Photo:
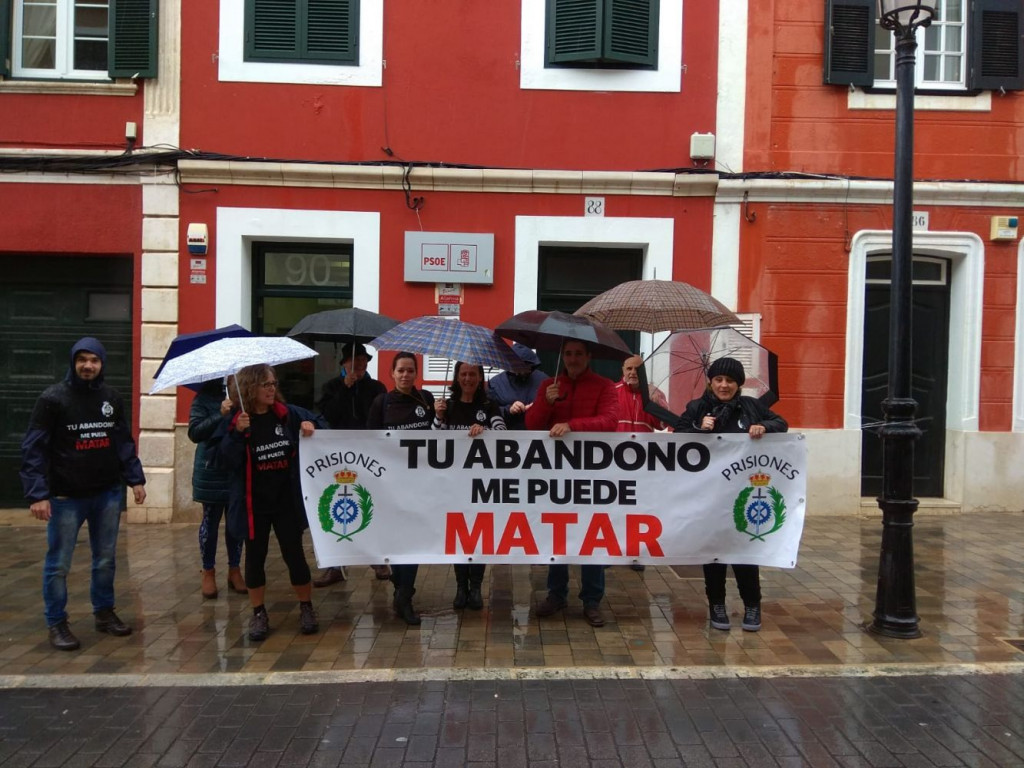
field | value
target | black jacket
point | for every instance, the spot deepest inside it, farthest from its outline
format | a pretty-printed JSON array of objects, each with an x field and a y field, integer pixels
[
  {"x": 349, "y": 407},
  {"x": 78, "y": 443},
  {"x": 233, "y": 453},
  {"x": 393, "y": 410},
  {"x": 736, "y": 415},
  {"x": 210, "y": 482}
]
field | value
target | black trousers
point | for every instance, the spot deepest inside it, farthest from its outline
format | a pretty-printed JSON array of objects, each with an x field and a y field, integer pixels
[
  {"x": 748, "y": 581},
  {"x": 288, "y": 531},
  {"x": 470, "y": 573},
  {"x": 404, "y": 576}
]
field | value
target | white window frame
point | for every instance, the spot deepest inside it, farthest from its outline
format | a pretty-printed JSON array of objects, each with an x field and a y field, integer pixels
[
  {"x": 922, "y": 54},
  {"x": 654, "y": 236},
  {"x": 65, "y": 45},
  {"x": 237, "y": 228},
  {"x": 232, "y": 66},
  {"x": 667, "y": 78}
]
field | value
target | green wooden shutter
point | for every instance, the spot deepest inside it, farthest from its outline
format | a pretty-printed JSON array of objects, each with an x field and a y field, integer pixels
[
  {"x": 996, "y": 46},
  {"x": 6, "y": 9},
  {"x": 271, "y": 29},
  {"x": 332, "y": 30},
  {"x": 631, "y": 32},
  {"x": 315, "y": 31},
  {"x": 132, "y": 50},
  {"x": 850, "y": 42},
  {"x": 573, "y": 31}
]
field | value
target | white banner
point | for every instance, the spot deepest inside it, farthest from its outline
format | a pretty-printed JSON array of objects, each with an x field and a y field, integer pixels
[{"x": 523, "y": 497}]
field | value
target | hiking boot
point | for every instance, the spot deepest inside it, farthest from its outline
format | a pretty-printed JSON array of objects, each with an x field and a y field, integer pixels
[
  {"x": 592, "y": 613},
  {"x": 107, "y": 621},
  {"x": 719, "y": 616},
  {"x": 259, "y": 625},
  {"x": 474, "y": 600},
  {"x": 752, "y": 618},
  {"x": 236, "y": 582},
  {"x": 403, "y": 606},
  {"x": 330, "y": 576},
  {"x": 307, "y": 619},
  {"x": 461, "y": 595},
  {"x": 549, "y": 606},
  {"x": 208, "y": 585},
  {"x": 61, "y": 637}
]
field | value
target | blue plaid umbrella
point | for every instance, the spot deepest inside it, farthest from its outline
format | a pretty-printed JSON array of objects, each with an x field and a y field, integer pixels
[{"x": 451, "y": 338}]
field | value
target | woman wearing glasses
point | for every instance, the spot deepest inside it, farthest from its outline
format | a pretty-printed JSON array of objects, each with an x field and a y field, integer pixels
[{"x": 259, "y": 446}]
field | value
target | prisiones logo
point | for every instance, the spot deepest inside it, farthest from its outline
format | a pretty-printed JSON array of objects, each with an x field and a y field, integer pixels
[
  {"x": 759, "y": 510},
  {"x": 345, "y": 512}
]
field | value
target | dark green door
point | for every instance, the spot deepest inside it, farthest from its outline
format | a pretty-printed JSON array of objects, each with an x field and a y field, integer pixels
[
  {"x": 929, "y": 365},
  {"x": 571, "y": 276},
  {"x": 47, "y": 303}
]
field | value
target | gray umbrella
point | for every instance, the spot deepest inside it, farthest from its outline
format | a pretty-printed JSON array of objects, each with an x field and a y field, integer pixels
[{"x": 342, "y": 325}]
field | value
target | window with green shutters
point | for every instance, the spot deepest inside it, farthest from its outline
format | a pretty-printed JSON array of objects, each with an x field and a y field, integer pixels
[
  {"x": 621, "y": 34},
  {"x": 971, "y": 45},
  {"x": 78, "y": 39},
  {"x": 306, "y": 31}
]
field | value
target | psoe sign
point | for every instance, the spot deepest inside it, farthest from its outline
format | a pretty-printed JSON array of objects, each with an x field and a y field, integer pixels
[{"x": 449, "y": 257}]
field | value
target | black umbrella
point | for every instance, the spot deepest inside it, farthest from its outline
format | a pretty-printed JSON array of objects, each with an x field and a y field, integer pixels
[
  {"x": 342, "y": 325},
  {"x": 548, "y": 330}
]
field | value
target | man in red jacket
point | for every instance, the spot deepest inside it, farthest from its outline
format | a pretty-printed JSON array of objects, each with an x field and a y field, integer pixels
[
  {"x": 577, "y": 400},
  {"x": 632, "y": 416}
]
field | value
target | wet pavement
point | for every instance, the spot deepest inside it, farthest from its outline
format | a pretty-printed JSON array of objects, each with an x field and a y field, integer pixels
[{"x": 500, "y": 687}]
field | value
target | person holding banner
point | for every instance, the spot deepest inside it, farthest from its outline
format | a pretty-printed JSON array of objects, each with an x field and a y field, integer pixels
[
  {"x": 404, "y": 407},
  {"x": 259, "y": 445},
  {"x": 723, "y": 409},
  {"x": 344, "y": 403},
  {"x": 468, "y": 409},
  {"x": 578, "y": 400}
]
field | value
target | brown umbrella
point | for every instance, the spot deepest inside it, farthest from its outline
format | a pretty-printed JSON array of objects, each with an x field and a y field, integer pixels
[{"x": 657, "y": 305}]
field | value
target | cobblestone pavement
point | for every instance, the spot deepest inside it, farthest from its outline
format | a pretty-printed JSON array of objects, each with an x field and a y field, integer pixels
[
  {"x": 500, "y": 687},
  {"x": 604, "y": 723}
]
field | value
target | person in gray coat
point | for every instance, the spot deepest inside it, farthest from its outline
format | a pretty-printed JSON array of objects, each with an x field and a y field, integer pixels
[{"x": 210, "y": 486}]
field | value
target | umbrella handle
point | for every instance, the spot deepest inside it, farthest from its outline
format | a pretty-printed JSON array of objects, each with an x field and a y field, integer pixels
[{"x": 238, "y": 389}]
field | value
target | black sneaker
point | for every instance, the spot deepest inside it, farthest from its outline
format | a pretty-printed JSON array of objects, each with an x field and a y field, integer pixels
[
  {"x": 259, "y": 626},
  {"x": 307, "y": 619},
  {"x": 719, "y": 616},
  {"x": 107, "y": 621},
  {"x": 752, "y": 618},
  {"x": 62, "y": 638}
]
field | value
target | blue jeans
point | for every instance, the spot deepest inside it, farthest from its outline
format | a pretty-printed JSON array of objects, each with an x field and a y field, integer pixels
[
  {"x": 103, "y": 513},
  {"x": 591, "y": 583},
  {"x": 212, "y": 513}
]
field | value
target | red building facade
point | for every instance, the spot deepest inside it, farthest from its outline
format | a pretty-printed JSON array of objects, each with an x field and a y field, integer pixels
[{"x": 307, "y": 162}]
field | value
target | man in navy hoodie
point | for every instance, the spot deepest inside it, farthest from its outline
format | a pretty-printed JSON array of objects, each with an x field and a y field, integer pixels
[{"x": 76, "y": 457}]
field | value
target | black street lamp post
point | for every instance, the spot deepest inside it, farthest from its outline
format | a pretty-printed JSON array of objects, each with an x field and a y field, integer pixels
[{"x": 895, "y": 612}]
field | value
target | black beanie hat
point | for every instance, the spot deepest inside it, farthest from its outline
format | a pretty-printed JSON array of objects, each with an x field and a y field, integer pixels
[{"x": 728, "y": 366}]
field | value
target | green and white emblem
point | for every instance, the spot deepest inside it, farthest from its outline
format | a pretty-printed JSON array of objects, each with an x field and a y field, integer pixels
[
  {"x": 345, "y": 512},
  {"x": 759, "y": 510}
]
